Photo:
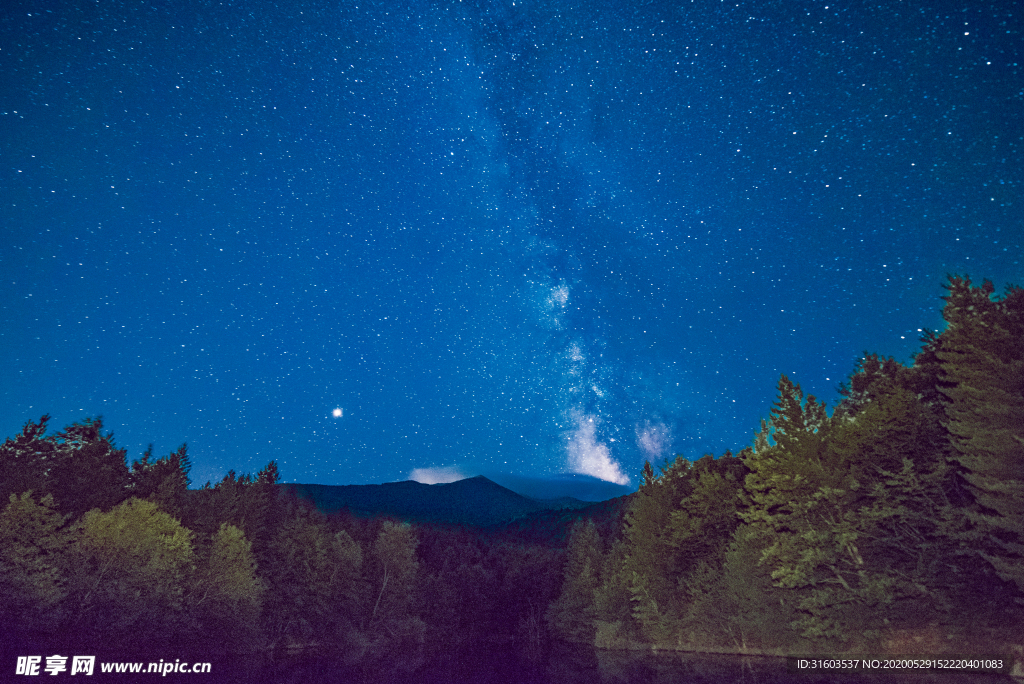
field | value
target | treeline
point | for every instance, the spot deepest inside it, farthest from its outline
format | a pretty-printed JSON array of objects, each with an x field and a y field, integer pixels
[
  {"x": 97, "y": 554},
  {"x": 897, "y": 516}
]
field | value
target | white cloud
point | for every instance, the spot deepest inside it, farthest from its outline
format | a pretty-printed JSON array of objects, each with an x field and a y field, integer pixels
[
  {"x": 587, "y": 455},
  {"x": 436, "y": 475}
]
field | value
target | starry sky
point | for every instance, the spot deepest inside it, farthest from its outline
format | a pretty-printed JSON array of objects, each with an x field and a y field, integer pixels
[{"x": 529, "y": 237}]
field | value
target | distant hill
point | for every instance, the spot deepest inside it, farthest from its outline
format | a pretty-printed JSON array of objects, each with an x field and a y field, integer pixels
[
  {"x": 475, "y": 501},
  {"x": 551, "y": 527},
  {"x": 575, "y": 485}
]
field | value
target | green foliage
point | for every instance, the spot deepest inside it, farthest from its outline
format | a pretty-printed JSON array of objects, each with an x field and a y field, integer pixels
[
  {"x": 613, "y": 608},
  {"x": 393, "y": 558},
  {"x": 131, "y": 573},
  {"x": 571, "y": 615},
  {"x": 527, "y": 581},
  {"x": 395, "y": 631},
  {"x": 25, "y": 458},
  {"x": 32, "y": 549},
  {"x": 164, "y": 481},
  {"x": 738, "y": 604},
  {"x": 677, "y": 529},
  {"x": 252, "y": 504},
  {"x": 89, "y": 471},
  {"x": 851, "y": 510},
  {"x": 476, "y": 592},
  {"x": 457, "y": 592},
  {"x": 649, "y": 566},
  {"x": 315, "y": 588},
  {"x": 702, "y": 523},
  {"x": 982, "y": 365},
  {"x": 80, "y": 467},
  {"x": 228, "y": 593}
]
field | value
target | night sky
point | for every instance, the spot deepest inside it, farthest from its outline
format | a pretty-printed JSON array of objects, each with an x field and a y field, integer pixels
[{"x": 530, "y": 237}]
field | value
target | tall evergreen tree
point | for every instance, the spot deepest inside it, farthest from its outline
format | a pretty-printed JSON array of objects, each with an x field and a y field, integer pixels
[
  {"x": 738, "y": 604},
  {"x": 571, "y": 615},
  {"x": 89, "y": 471},
  {"x": 702, "y": 523},
  {"x": 80, "y": 466},
  {"x": 650, "y": 565},
  {"x": 795, "y": 484},
  {"x": 613, "y": 607},
  {"x": 982, "y": 361},
  {"x": 164, "y": 480},
  {"x": 25, "y": 459}
]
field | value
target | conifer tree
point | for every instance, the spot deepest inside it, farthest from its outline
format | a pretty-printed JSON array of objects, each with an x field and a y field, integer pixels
[
  {"x": 25, "y": 459},
  {"x": 164, "y": 480},
  {"x": 649, "y": 566},
  {"x": 613, "y": 609},
  {"x": 794, "y": 484},
  {"x": 571, "y": 615},
  {"x": 982, "y": 361},
  {"x": 702, "y": 523},
  {"x": 738, "y": 604},
  {"x": 89, "y": 471},
  {"x": 81, "y": 467}
]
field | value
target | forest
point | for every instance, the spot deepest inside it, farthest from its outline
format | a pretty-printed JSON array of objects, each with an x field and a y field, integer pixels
[{"x": 893, "y": 521}]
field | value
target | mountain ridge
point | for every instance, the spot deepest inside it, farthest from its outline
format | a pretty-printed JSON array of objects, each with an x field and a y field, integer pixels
[{"x": 477, "y": 501}]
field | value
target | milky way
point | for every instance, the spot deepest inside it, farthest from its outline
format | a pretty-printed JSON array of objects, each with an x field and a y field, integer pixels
[{"x": 526, "y": 238}]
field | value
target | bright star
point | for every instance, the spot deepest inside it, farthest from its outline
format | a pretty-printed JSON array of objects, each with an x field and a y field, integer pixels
[{"x": 336, "y": 413}]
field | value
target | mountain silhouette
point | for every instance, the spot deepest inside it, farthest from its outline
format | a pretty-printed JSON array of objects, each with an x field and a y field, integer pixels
[
  {"x": 575, "y": 485},
  {"x": 473, "y": 501}
]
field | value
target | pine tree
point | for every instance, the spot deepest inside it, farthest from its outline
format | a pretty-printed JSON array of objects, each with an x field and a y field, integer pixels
[
  {"x": 571, "y": 615},
  {"x": 613, "y": 609},
  {"x": 982, "y": 357},
  {"x": 796, "y": 489},
  {"x": 81, "y": 467},
  {"x": 790, "y": 461},
  {"x": 650, "y": 565},
  {"x": 702, "y": 523},
  {"x": 315, "y": 591},
  {"x": 897, "y": 454},
  {"x": 738, "y": 604},
  {"x": 89, "y": 471},
  {"x": 526, "y": 579},
  {"x": 25, "y": 459},
  {"x": 164, "y": 480}
]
